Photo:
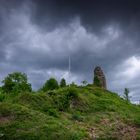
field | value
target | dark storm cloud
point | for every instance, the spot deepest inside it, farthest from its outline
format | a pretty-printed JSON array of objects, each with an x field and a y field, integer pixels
[
  {"x": 38, "y": 36},
  {"x": 93, "y": 13}
]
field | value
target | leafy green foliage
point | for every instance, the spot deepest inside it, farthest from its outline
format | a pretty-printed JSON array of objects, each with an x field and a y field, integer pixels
[
  {"x": 15, "y": 83},
  {"x": 63, "y": 83},
  {"x": 53, "y": 112},
  {"x": 126, "y": 95},
  {"x": 77, "y": 117},
  {"x": 97, "y": 81},
  {"x": 64, "y": 100},
  {"x": 50, "y": 84},
  {"x": 49, "y": 115},
  {"x": 2, "y": 97},
  {"x": 62, "y": 103},
  {"x": 72, "y": 93},
  {"x": 84, "y": 82},
  {"x": 73, "y": 84}
]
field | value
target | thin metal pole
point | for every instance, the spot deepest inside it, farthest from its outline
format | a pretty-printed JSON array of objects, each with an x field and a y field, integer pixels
[{"x": 69, "y": 70}]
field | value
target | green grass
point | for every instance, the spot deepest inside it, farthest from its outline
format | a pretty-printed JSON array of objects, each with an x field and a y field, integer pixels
[{"x": 75, "y": 113}]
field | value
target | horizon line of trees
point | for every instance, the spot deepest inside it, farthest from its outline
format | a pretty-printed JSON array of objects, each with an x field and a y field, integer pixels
[{"x": 17, "y": 82}]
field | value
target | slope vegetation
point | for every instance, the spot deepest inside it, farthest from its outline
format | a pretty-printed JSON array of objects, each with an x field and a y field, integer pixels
[{"x": 70, "y": 113}]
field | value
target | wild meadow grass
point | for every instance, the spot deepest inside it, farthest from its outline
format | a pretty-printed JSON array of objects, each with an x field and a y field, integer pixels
[{"x": 69, "y": 113}]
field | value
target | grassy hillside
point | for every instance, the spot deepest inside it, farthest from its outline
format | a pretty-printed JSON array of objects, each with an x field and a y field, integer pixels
[{"x": 75, "y": 113}]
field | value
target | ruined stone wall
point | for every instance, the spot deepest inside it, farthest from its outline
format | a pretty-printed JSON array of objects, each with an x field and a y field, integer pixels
[{"x": 99, "y": 78}]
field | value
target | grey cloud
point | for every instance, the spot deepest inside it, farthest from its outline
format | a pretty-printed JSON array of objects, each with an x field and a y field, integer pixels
[
  {"x": 37, "y": 38},
  {"x": 93, "y": 13}
]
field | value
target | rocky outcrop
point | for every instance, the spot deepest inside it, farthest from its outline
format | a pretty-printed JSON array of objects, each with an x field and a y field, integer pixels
[{"x": 99, "y": 78}]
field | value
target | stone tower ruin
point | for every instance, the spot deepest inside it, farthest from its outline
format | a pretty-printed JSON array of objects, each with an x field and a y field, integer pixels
[{"x": 99, "y": 78}]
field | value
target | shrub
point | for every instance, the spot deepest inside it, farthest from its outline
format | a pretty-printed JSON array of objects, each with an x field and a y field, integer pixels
[
  {"x": 97, "y": 81},
  {"x": 77, "y": 117},
  {"x": 53, "y": 112},
  {"x": 62, "y": 100},
  {"x": 2, "y": 97},
  {"x": 72, "y": 93},
  {"x": 63, "y": 103}
]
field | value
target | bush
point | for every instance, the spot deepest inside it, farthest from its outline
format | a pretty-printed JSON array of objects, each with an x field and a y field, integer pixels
[
  {"x": 72, "y": 93},
  {"x": 97, "y": 81},
  {"x": 50, "y": 84},
  {"x": 62, "y": 100},
  {"x": 63, "y": 103},
  {"x": 2, "y": 97},
  {"x": 77, "y": 117},
  {"x": 53, "y": 112}
]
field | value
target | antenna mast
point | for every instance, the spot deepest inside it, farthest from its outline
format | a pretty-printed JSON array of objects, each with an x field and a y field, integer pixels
[{"x": 69, "y": 70}]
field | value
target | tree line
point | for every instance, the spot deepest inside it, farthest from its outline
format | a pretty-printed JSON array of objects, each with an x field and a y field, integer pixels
[{"x": 17, "y": 82}]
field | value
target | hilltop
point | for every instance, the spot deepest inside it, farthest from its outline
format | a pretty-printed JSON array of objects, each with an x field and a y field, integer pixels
[{"x": 69, "y": 113}]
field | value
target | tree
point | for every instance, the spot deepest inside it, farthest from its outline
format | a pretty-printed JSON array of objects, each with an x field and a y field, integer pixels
[
  {"x": 97, "y": 81},
  {"x": 16, "y": 82},
  {"x": 126, "y": 94},
  {"x": 50, "y": 84},
  {"x": 63, "y": 83},
  {"x": 84, "y": 82},
  {"x": 73, "y": 84}
]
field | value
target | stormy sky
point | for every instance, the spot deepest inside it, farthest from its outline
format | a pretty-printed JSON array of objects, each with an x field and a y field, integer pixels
[{"x": 38, "y": 36}]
